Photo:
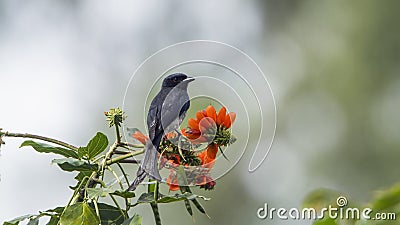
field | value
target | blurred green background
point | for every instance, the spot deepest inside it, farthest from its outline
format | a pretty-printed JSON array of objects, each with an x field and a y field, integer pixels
[{"x": 333, "y": 67}]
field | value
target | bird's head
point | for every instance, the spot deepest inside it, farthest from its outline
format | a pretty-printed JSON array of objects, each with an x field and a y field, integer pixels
[{"x": 176, "y": 79}]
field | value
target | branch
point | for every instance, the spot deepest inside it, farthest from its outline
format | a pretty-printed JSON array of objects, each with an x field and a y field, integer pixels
[
  {"x": 126, "y": 144},
  {"x": 122, "y": 157},
  {"x": 132, "y": 161},
  {"x": 33, "y": 136}
]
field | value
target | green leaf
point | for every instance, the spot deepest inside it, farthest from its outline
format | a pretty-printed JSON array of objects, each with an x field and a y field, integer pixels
[
  {"x": 79, "y": 214},
  {"x": 98, "y": 192},
  {"x": 33, "y": 221},
  {"x": 146, "y": 198},
  {"x": 45, "y": 148},
  {"x": 183, "y": 185},
  {"x": 109, "y": 214},
  {"x": 177, "y": 198},
  {"x": 135, "y": 220},
  {"x": 321, "y": 198},
  {"x": 149, "y": 198},
  {"x": 17, "y": 220},
  {"x": 188, "y": 207},
  {"x": 56, "y": 217},
  {"x": 83, "y": 174},
  {"x": 96, "y": 146},
  {"x": 124, "y": 193},
  {"x": 70, "y": 164},
  {"x": 326, "y": 221},
  {"x": 79, "y": 177},
  {"x": 388, "y": 199},
  {"x": 53, "y": 220}
]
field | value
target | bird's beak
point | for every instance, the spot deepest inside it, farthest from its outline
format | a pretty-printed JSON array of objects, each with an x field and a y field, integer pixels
[{"x": 189, "y": 79}]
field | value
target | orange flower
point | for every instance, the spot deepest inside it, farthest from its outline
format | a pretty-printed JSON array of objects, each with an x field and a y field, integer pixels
[
  {"x": 203, "y": 179},
  {"x": 208, "y": 156},
  {"x": 140, "y": 137},
  {"x": 172, "y": 181},
  {"x": 229, "y": 119},
  {"x": 221, "y": 116},
  {"x": 210, "y": 110},
  {"x": 207, "y": 121}
]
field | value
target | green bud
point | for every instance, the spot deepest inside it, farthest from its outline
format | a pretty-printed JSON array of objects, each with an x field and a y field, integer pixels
[{"x": 115, "y": 116}]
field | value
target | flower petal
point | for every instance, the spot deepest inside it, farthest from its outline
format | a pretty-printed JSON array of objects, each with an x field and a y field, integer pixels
[
  {"x": 221, "y": 116},
  {"x": 191, "y": 134},
  {"x": 205, "y": 124},
  {"x": 172, "y": 182},
  {"x": 193, "y": 124},
  {"x": 140, "y": 137},
  {"x": 211, "y": 112},
  {"x": 229, "y": 119},
  {"x": 199, "y": 116},
  {"x": 208, "y": 156},
  {"x": 170, "y": 135}
]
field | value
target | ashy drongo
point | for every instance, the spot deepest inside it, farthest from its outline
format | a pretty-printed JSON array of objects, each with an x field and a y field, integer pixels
[{"x": 166, "y": 112}]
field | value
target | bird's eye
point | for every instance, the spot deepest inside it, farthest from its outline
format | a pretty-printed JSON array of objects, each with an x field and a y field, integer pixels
[{"x": 175, "y": 80}]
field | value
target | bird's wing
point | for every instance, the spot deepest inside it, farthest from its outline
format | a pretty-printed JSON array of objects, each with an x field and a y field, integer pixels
[
  {"x": 183, "y": 111},
  {"x": 174, "y": 109},
  {"x": 152, "y": 121}
]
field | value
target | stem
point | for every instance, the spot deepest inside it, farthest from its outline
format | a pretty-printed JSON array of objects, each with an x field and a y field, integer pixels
[
  {"x": 108, "y": 157},
  {"x": 156, "y": 189},
  {"x": 117, "y": 133},
  {"x": 119, "y": 208},
  {"x": 116, "y": 177},
  {"x": 122, "y": 157},
  {"x": 115, "y": 201},
  {"x": 126, "y": 144},
  {"x": 120, "y": 184},
  {"x": 132, "y": 161},
  {"x": 33, "y": 136},
  {"x": 110, "y": 152},
  {"x": 117, "y": 152},
  {"x": 96, "y": 207},
  {"x": 154, "y": 205},
  {"x": 73, "y": 197},
  {"x": 123, "y": 173}
]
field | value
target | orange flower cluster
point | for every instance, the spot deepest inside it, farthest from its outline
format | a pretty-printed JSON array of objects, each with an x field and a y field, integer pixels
[
  {"x": 207, "y": 121},
  {"x": 208, "y": 127}
]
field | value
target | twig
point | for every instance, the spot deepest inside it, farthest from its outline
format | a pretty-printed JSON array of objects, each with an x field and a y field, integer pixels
[
  {"x": 122, "y": 157},
  {"x": 127, "y": 144},
  {"x": 33, "y": 136},
  {"x": 132, "y": 161}
]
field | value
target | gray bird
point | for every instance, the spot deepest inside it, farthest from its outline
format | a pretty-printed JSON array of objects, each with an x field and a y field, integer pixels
[{"x": 166, "y": 113}]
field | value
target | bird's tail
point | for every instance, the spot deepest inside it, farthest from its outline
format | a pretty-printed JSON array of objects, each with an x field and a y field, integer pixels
[{"x": 149, "y": 165}]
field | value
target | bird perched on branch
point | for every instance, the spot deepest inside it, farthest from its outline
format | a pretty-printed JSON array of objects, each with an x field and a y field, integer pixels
[{"x": 166, "y": 113}]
